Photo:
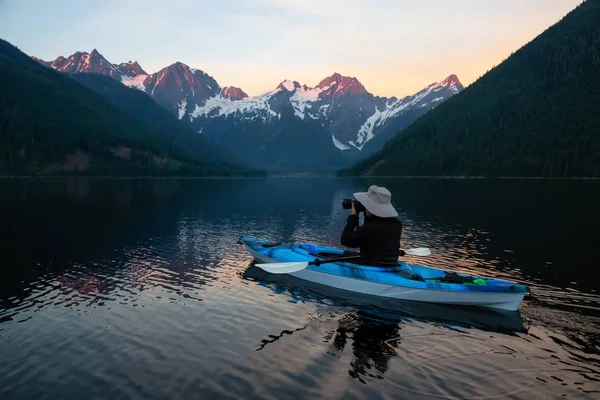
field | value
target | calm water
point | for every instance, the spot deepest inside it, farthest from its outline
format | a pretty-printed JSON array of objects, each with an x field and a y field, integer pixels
[{"x": 137, "y": 289}]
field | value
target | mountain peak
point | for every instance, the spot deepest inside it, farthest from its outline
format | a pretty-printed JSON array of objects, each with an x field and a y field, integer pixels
[
  {"x": 288, "y": 85},
  {"x": 453, "y": 80},
  {"x": 178, "y": 86},
  {"x": 131, "y": 69},
  {"x": 340, "y": 80},
  {"x": 233, "y": 93},
  {"x": 333, "y": 79},
  {"x": 177, "y": 64},
  {"x": 82, "y": 61},
  {"x": 338, "y": 84}
]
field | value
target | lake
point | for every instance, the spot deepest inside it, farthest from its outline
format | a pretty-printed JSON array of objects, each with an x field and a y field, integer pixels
[{"x": 137, "y": 288}]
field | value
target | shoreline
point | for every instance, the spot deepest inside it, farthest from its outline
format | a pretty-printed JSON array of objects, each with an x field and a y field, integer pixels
[{"x": 294, "y": 176}]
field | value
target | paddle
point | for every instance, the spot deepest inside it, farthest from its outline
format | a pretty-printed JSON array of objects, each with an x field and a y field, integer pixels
[
  {"x": 417, "y": 251},
  {"x": 289, "y": 267}
]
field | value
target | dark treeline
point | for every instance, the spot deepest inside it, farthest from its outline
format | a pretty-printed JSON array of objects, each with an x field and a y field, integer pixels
[{"x": 536, "y": 114}]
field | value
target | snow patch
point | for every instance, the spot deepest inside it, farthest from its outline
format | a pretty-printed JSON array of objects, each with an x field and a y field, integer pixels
[
  {"x": 182, "y": 108},
  {"x": 396, "y": 108},
  {"x": 365, "y": 133},
  {"x": 303, "y": 100},
  {"x": 339, "y": 144},
  {"x": 307, "y": 104},
  {"x": 298, "y": 112},
  {"x": 217, "y": 106},
  {"x": 288, "y": 85},
  {"x": 136, "y": 82}
]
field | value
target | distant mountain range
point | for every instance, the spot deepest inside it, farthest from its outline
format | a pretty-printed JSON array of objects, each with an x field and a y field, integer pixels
[
  {"x": 292, "y": 127},
  {"x": 535, "y": 114},
  {"x": 52, "y": 125}
]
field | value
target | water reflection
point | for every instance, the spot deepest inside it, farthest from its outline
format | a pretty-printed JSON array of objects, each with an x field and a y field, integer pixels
[
  {"x": 182, "y": 225},
  {"x": 274, "y": 338},
  {"x": 102, "y": 276},
  {"x": 370, "y": 343}
]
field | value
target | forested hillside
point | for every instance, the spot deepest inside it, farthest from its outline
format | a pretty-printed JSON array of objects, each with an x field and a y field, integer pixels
[
  {"x": 141, "y": 106},
  {"x": 536, "y": 114}
]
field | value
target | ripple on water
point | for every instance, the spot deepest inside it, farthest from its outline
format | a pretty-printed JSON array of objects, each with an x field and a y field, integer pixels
[{"x": 172, "y": 309}]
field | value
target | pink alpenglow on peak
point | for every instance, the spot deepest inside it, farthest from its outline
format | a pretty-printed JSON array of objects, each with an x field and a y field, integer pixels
[
  {"x": 233, "y": 93},
  {"x": 451, "y": 82},
  {"x": 339, "y": 106},
  {"x": 131, "y": 69},
  {"x": 179, "y": 84},
  {"x": 338, "y": 85},
  {"x": 82, "y": 62}
]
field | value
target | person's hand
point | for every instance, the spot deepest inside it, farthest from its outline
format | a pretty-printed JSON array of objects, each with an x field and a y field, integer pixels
[{"x": 354, "y": 209}]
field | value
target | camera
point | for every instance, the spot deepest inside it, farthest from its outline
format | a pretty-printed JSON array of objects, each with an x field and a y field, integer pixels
[{"x": 347, "y": 204}]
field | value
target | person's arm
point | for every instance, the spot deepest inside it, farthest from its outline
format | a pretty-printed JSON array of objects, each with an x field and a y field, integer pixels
[{"x": 351, "y": 236}]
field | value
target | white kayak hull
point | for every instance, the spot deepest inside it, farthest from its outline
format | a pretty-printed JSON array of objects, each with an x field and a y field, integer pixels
[{"x": 501, "y": 301}]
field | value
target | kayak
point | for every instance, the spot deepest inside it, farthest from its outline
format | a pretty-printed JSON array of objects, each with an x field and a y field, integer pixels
[
  {"x": 385, "y": 308},
  {"x": 404, "y": 281}
]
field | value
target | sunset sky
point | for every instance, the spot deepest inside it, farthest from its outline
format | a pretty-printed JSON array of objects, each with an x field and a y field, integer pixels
[{"x": 394, "y": 47}]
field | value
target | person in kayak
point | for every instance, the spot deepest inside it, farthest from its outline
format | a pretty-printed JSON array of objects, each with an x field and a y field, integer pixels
[{"x": 379, "y": 236}]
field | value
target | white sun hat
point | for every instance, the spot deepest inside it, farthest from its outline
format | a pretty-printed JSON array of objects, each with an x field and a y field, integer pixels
[{"x": 378, "y": 200}]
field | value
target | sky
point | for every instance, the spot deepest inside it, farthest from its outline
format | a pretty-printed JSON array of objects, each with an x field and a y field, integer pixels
[{"x": 394, "y": 47}]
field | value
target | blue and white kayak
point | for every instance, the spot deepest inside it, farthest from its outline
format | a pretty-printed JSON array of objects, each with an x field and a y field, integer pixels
[{"x": 393, "y": 282}]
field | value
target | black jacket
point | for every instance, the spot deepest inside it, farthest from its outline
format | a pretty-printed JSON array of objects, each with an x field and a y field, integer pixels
[{"x": 377, "y": 237}]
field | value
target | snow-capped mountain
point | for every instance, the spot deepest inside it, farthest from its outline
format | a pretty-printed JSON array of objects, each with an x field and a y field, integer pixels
[
  {"x": 178, "y": 88},
  {"x": 337, "y": 121},
  {"x": 352, "y": 115},
  {"x": 233, "y": 93},
  {"x": 131, "y": 69},
  {"x": 93, "y": 62},
  {"x": 339, "y": 114},
  {"x": 96, "y": 63},
  {"x": 419, "y": 103}
]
